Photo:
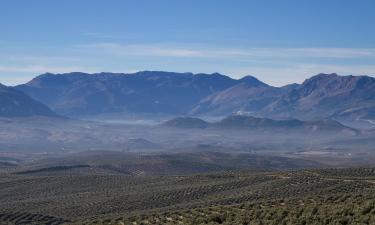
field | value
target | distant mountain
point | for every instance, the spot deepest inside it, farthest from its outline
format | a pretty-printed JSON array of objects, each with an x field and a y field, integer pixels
[
  {"x": 327, "y": 95},
  {"x": 15, "y": 103},
  {"x": 250, "y": 122},
  {"x": 321, "y": 96},
  {"x": 76, "y": 94},
  {"x": 154, "y": 92}
]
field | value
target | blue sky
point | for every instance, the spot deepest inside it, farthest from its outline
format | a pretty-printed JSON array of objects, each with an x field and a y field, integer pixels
[{"x": 277, "y": 41}]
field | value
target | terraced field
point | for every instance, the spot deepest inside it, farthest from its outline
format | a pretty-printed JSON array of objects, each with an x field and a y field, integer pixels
[{"x": 85, "y": 195}]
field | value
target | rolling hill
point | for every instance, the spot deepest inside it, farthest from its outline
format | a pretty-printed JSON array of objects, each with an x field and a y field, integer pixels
[
  {"x": 186, "y": 122},
  {"x": 256, "y": 123}
]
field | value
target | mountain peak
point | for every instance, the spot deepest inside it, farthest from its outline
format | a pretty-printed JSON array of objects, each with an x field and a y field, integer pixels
[
  {"x": 253, "y": 81},
  {"x": 321, "y": 76},
  {"x": 324, "y": 79}
]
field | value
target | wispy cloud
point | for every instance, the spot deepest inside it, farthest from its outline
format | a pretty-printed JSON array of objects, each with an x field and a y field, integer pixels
[
  {"x": 41, "y": 59},
  {"x": 160, "y": 50},
  {"x": 99, "y": 35},
  {"x": 141, "y": 50},
  {"x": 41, "y": 69}
]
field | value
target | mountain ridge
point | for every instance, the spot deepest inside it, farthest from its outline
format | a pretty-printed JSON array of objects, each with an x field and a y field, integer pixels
[
  {"x": 146, "y": 92},
  {"x": 156, "y": 92}
]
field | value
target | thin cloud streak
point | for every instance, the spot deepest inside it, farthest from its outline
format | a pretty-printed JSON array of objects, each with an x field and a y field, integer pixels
[
  {"x": 42, "y": 69},
  {"x": 155, "y": 50},
  {"x": 99, "y": 35},
  {"x": 30, "y": 58}
]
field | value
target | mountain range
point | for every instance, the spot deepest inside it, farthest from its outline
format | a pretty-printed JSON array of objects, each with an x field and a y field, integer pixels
[{"x": 155, "y": 92}]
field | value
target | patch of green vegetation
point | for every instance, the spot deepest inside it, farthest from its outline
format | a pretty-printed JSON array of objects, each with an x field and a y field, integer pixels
[{"x": 332, "y": 210}]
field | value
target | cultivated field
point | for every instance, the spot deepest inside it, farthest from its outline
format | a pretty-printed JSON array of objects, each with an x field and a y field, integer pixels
[{"x": 89, "y": 195}]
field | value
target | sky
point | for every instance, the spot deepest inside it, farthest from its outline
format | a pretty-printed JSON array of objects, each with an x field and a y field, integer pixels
[{"x": 279, "y": 42}]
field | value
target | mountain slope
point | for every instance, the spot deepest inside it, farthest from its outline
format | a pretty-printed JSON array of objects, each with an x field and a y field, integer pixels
[
  {"x": 327, "y": 95},
  {"x": 249, "y": 97},
  {"x": 14, "y": 103}
]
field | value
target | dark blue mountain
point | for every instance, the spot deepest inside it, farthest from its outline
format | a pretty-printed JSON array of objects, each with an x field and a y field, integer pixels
[{"x": 15, "y": 103}]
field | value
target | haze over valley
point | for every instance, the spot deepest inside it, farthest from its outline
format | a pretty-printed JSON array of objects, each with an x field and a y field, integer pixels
[{"x": 78, "y": 112}]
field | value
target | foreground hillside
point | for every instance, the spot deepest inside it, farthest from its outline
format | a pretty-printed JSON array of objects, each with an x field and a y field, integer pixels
[
  {"x": 346, "y": 209},
  {"x": 82, "y": 195}
]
